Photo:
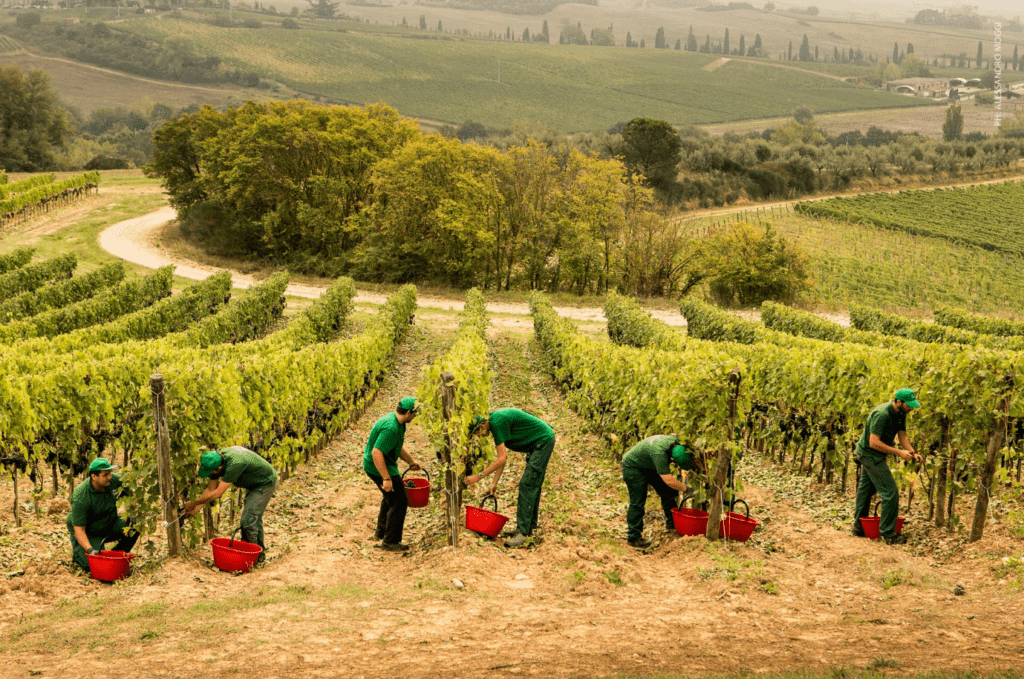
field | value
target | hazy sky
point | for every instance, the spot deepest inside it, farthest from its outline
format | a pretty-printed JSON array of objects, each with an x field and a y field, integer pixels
[{"x": 901, "y": 8}]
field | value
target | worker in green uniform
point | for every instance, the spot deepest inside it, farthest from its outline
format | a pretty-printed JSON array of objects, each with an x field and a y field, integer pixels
[
  {"x": 384, "y": 446},
  {"x": 885, "y": 423},
  {"x": 241, "y": 467},
  {"x": 517, "y": 430},
  {"x": 647, "y": 464},
  {"x": 93, "y": 518}
]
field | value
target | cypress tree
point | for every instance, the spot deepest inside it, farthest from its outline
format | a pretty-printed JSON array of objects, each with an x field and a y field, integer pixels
[
  {"x": 544, "y": 31},
  {"x": 679, "y": 44},
  {"x": 742, "y": 50},
  {"x": 895, "y": 53},
  {"x": 910, "y": 48},
  {"x": 526, "y": 35},
  {"x": 1015, "y": 57},
  {"x": 642, "y": 43},
  {"x": 691, "y": 41},
  {"x": 789, "y": 55},
  {"x": 980, "y": 56},
  {"x": 725, "y": 43}
]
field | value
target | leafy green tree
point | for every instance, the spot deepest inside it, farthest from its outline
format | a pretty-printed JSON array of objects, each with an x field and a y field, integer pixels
[
  {"x": 953, "y": 128},
  {"x": 691, "y": 41},
  {"x": 471, "y": 130},
  {"x": 572, "y": 35},
  {"x": 435, "y": 208},
  {"x": 805, "y": 49},
  {"x": 629, "y": 39},
  {"x": 526, "y": 35},
  {"x": 748, "y": 266},
  {"x": 910, "y": 48},
  {"x": 988, "y": 80},
  {"x": 323, "y": 9},
  {"x": 33, "y": 127},
  {"x": 659, "y": 39},
  {"x": 602, "y": 37},
  {"x": 652, "y": 150},
  {"x": 679, "y": 44},
  {"x": 914, "y": 66}
]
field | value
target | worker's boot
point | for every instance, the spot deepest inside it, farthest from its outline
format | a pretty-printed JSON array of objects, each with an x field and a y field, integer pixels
[
  {"x": 898, "y": 539},
  {"x": 640, "y": 544},
  {"x": 517, "y": 542},
  {"x": 857, "y": 530},
  {"x": 393, "y": 547}
]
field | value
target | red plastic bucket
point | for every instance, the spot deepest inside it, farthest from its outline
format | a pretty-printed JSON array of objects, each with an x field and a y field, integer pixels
[
  {"x": 110, "y": 566},
  {"x": 870, "y": 524},
  {"x": 417, "y": 490},
  {"x": 690, "y": 521},
  {"x": 482, "y": 521},
  {"x": 234, "y": 555},
  {"x": 736, "y": 527}
]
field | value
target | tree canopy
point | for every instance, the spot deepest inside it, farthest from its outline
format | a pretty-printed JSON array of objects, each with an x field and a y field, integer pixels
[{"x": 32, "y": 124}]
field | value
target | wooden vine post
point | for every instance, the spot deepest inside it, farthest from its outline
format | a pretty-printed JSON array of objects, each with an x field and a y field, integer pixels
[
  {"x": 724, "y": 460},
  {"x": 995, "y": 445},
  {"x": 168, "y": 496},
  {"x": 450, "y": 460},
  {"x": 941, "y": 474},
  {"x": 17, "y": 511}
]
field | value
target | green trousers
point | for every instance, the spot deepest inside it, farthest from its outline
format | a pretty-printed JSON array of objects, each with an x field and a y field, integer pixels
[
  {"x": 875, "y": 477},
  {"x": 528, "y": 505},
  {"x": 637, "y": 481},
  {"x": 125, "y": 542}
]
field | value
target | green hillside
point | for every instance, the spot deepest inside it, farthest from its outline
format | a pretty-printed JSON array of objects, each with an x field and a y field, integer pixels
[{"x": 443, "y": 77}]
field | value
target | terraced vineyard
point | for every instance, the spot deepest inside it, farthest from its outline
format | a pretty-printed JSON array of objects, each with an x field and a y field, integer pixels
[{"x": 987, "y": 216}]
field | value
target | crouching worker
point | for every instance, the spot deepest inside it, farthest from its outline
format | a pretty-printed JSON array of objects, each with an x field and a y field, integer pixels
[
  {"x": 647, "y": 464},
  {"x": 238, "y": 466},
  {"x": 93, "y": 518}
]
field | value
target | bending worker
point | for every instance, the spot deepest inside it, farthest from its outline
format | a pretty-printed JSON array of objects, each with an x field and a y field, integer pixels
[
  {"x": 384, "y": 446},
  {"x": 647, "y": 464},
  {"x": 238, "y": 466},
  {"x": 885, "y": 423},
  {"x": 514, "y": 429},
  {"x": 93, "y": 518}
]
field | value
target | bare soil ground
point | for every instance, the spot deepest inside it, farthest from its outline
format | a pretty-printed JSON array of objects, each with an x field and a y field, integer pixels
[{"x": 802, "y": 594}]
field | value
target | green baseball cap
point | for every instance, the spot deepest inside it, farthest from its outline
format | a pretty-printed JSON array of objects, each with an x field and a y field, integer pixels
[
  {"x": 476, "y": 423},
  {"x": 908, "y": 397},
  {"x": 682, "y": 457},
  {"x": 409, "y": 403},
  {"x": 102, "y": 464},
  {"x": 209, "y": 462}
]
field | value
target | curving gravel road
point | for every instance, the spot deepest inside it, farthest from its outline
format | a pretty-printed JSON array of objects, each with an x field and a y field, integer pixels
[{"x": 131, "y": 240}]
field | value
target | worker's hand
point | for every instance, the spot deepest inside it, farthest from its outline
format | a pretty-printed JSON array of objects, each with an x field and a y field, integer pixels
[
  {"x": 415, "y": 465},
  {"x": 493, "y": 490},
  {"x": 387, "y": 486},
  {"x": 917, "y": 457},
  {"x": 93, "y": 552},
  {"x": 472, "y": 480},
  {"x": 189, "y": 506},
  {"x": 195, "y": 509}
]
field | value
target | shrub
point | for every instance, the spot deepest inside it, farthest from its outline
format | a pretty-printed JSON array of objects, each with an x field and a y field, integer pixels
[
  {"x": 748, "y": 266},
  {"x": 29, "y": 20},
  {"x": 102, "y": 162},
  {"x": 289, "y": 23},
  {"x": 252, "y": 23}
]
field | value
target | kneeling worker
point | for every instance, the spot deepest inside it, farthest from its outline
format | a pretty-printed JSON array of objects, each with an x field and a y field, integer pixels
[
  {"x": 240, "y": 467},
  {"x": 647, "y": 464},
  {"x": 514, "y": 429},
  {"x": 93, "y": 518}
]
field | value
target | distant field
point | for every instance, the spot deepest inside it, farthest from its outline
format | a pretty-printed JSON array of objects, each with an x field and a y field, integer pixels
[
  {"x": 571, "y": 88},
  {"x": 926, "y": 120},
  {"x": 87, "y": 88},
  {"x": 984, "y": 216},
  {"x": 897, "y": 270}
]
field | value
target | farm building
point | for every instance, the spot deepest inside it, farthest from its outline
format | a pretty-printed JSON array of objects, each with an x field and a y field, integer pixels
[{"x": 919, "y": 87}]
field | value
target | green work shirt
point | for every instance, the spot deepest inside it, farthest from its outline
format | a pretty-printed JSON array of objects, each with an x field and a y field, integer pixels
[
  {"x": 93, "y": 510},
  {"x": 885, "y": 422},
  {"x": 651, "y": 453},
  {"x": 387, "y": 436},
  {"x": 246, "y": 469},
  {"x": 519, "y": 431}
]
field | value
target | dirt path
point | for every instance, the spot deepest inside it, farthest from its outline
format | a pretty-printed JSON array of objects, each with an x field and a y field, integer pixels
[
  {"x": 132, "y": 240},
  {"x": 800, "y": 595}
]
